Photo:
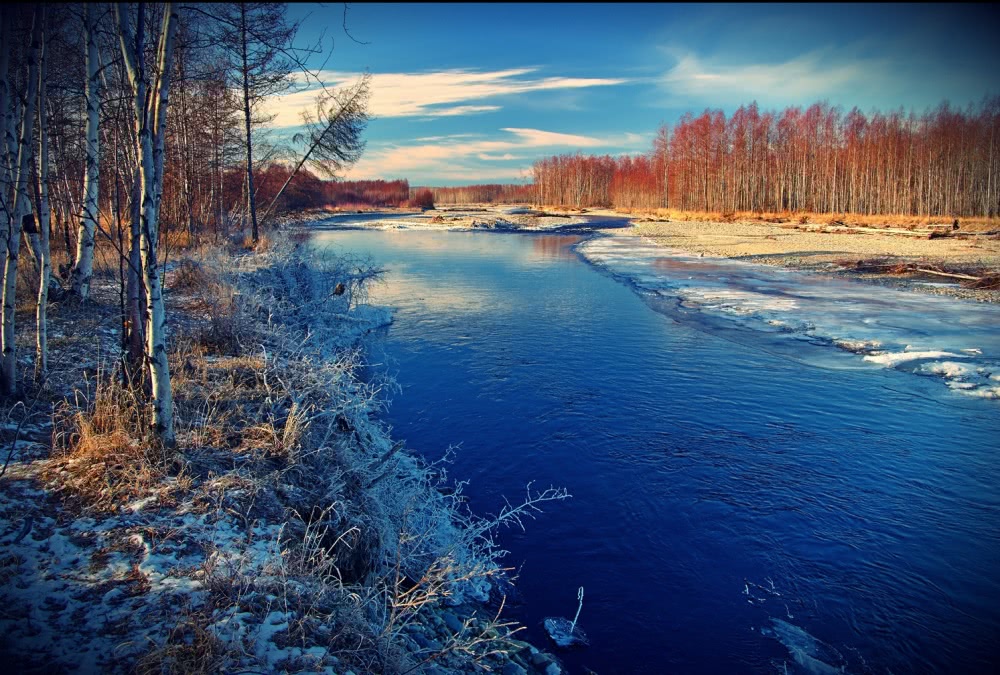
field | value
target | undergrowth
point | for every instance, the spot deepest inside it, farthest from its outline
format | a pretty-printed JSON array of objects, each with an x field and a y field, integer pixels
[{"x": 277, "y": 429}]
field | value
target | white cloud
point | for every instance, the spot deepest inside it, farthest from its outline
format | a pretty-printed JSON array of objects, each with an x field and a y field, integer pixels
[
  {"x": 803, "y": 79},
  {"x": 461, "y": 110},
  {"x": 432, "y": 94},
  {"x": 533, "y": 138},
  {"x": 460, "y": 157},
  {"x": 506, "y": 157}
]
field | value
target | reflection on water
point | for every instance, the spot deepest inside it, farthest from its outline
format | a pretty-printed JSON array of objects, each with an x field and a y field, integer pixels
[
  {"x": 547, "y": 246},
  {"x": 733, "y": 510}
]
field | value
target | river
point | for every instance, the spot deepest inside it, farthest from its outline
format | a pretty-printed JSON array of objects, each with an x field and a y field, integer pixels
[{"x": 770, "y": 470}]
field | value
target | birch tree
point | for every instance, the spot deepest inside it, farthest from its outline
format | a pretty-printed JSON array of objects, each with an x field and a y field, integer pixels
[
  {"x": 83, "y": 267},
  {"x": 44, "y": 217},
  {"x": 150, "y": 103},
  {"x": 21, "y": 206},
  {"x": 6, "y": 102}
]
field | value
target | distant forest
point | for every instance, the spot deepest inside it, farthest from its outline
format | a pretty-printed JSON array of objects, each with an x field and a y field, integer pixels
[{"x": 943, "y": 162}]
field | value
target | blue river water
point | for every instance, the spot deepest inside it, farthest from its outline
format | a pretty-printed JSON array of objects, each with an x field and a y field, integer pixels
[{"x": 757, "y": 486}]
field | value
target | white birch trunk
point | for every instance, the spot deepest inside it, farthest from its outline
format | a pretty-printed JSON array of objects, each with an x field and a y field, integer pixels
[
  {"x": 6, "y": 114},
  {"x": 150, "y": 170},
  {"x": 44, "y": 215},
  {"x": 83, "y": 267},
  {"x": 22, "y": 206}
]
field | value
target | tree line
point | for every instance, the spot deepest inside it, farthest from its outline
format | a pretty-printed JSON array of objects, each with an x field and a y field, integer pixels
[
  {"x": 489, "y": 193},
  {"x": 944, "y": 162},
  {"x": 125, "y": 124}
]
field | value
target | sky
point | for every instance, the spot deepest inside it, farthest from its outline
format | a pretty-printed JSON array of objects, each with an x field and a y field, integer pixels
[{"x": 475, "y": 93}]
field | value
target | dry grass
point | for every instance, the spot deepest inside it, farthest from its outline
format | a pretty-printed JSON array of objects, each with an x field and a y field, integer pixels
[
  {"x": 190, "y": 649},
  {"x": 179, "y": 238},
  {"x": 192, "y": 276},
  {"x": 264, "y": 243},
  {"x": 104, "y": 449},
  {"x": 969, "y": 224}
]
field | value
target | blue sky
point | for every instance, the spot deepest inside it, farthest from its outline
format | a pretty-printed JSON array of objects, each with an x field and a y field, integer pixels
[{"x": 470, "y": 93}]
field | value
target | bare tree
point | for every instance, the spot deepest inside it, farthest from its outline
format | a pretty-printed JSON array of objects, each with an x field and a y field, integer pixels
[
  {"x": 257, "y": 42},
  {"x": 44, "y": 217},
  {"x": 21, "y": 208},
  {"x": 6, "y": 132},
  {"x": 83, "y": 268},
  {"x": 333, "y": 134},
  {"x": 150, "y": 103}
]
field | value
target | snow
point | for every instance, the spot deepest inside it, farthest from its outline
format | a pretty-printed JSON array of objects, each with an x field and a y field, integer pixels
[
  {"x": 948, "y": 369},
  {"x": 893, "y": 359},
  {"x": 782, "y": 309}
]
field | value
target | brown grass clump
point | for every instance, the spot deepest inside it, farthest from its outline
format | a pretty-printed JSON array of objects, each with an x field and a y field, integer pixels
[
  {"x": 278, "y": 438},
  {"x": 226, "y": 327},
  {"x": 191, "y": 275},
  {"x": 263, "y": 244},
  {"x": 189, "y": 649},
  {"x": 178, "y": 238},
  {"x": 106, "y": 447},
  {"x": 26, "y": 291}
]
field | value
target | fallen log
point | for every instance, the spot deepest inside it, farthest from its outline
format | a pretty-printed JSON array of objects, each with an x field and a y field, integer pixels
[
  {"x": 965, "y": 277},
  {"x": 879, "y": 266}
]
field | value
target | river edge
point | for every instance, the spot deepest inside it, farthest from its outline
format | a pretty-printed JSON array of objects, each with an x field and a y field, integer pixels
[
  {"x": 238, "y": 553},
  {"x": 780, "y": 245}
]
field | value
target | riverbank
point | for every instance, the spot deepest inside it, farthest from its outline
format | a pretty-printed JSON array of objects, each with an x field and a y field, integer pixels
[
  {"x": 870, "y": 249},
  {"x": 459, "y": 219},
  {"x": 882, "y": 255},
  {"x": 288, "y": 532}
]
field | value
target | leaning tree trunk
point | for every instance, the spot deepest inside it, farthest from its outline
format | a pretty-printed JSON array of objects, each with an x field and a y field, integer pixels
[
  {"x": 44, "y": 216},
  {"x": 83, "y": 267},
  {"x": 22, "y": 207}
]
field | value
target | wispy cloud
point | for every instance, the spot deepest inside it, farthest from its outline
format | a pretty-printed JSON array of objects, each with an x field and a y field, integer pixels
[
  {"x": 536, "y": 138},
  {"x": 802, "y": 79},
  {"x": 444, "y": 93},
  {"x": 462, "y": 110},
  {"x": 506, "y": 157},
  {"x": 460, "y": 157}
]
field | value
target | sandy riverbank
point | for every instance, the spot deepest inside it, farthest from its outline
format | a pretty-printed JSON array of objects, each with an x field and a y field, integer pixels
[
  {"x": 827, "y": 249},
  {"x": 830, "y": 252}
]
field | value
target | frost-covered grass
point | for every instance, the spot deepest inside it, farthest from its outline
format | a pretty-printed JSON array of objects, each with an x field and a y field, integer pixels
[{"x": 287, "y": 532}]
